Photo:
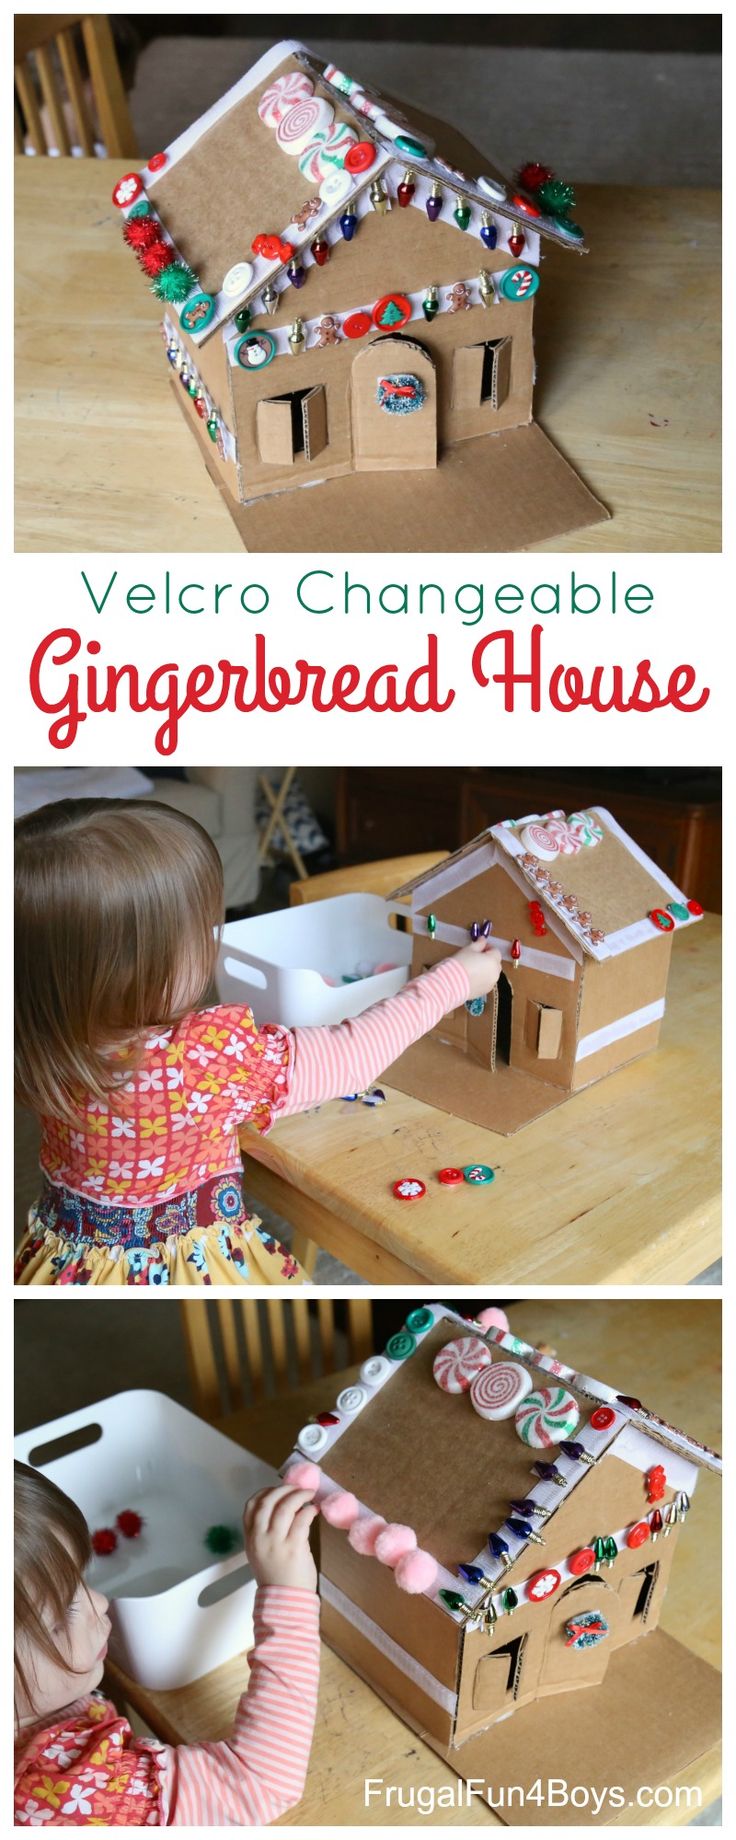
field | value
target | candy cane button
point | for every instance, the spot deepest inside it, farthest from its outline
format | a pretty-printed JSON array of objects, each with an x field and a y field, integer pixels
[
  {"x": 602, "y": 1418},
  {"x": 519, "y": 283},
  {"x": 581, "y": 1561},
  {"x": 478, "y": 1173},
  {"x": 542, "y": 1585},
  {"x": 374, "y": 1370},
  {"x": 351, "y": 1399},
  {"x": 312, "y": 1438},
  {"x": 638, "y": 1535}
]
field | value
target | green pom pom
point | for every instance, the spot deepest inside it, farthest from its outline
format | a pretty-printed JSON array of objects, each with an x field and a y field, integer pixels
[
  {"x": 220, "y": 1540},
  {"x": 557, "y": 197},
  {"x": 175, "y": 283},
  {"x": 141, "y": 209}
]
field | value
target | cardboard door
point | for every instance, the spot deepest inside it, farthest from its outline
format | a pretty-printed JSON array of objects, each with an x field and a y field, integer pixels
[
  {"x": 394, "y": 406},
  {"x": 564, "y": 1664}
]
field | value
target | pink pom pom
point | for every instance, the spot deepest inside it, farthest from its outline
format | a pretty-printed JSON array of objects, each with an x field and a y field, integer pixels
[
  {"x": 341, "y": 1510},
  {"x": 493, "y": 1319},
  {"x": 416, "y": 1572},
  {"x": 303, "y": 1476},
  {"x": 394, "y": 1542},
  {"x": 364, "y": 1533}
]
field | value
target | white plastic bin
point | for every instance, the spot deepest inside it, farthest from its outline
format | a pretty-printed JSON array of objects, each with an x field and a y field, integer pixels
[
  {"x": 175, "y": 1612},
  {"x": 278, "y": 962}
]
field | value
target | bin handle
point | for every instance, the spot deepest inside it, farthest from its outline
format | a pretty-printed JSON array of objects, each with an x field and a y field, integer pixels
[{"x": 53, "y": 1431}]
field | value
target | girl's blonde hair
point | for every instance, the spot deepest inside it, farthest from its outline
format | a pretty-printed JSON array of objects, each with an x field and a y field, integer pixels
[
  {"x": 52, "y": 1551},
  {"x": 117, "y": 905}
]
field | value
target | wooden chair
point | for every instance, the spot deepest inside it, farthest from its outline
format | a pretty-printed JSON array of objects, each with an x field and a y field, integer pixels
[
  {"x": 242, "y": 1353},
  {"x": 365, "y": 878},
  {"x": 52, "y": 96}
]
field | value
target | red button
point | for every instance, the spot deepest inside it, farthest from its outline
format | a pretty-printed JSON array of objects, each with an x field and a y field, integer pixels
[
  {"x": 356, "y": 325},
  {"x": 663, "y": 921},
  {"x": 127, "y": 190},
  {"x": 694, "y": 907},
  {"x": 523, "y": 204},
  {"x": 360, "y": 157},
  {"x": 156, "y": 161},
  {"x": 581, "y": 1561},
  {"x": 409, "y": 1188},
  {"x": 392, "y": 312},
  {"x": 638, "y": 1535},
  {"x": 542, "y": 1585},
  {"x": 451, "y": 1177},
  {"x": 602, "y": 1418}
]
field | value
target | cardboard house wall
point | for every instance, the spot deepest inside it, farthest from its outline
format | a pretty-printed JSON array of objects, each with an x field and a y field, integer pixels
[
  {"x": 285, "y": 422},
  {"x": 425, "y": 1458},
  {"x": 582, "y": 998}
]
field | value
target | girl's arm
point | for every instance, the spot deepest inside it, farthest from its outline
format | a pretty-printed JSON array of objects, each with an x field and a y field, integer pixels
[
  {"x": 258, "y": 1772},
  {"x": 330, "y": 1062}
]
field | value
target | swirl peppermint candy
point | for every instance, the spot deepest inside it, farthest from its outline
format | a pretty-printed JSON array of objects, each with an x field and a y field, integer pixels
[
  {"x": 548, "y": 1416},
  {"x": 326, "y": 151},
  {"x": 538, "y": 839},
  {"x": 498, "y": 1390},
  {"x": 567, "y": 840},
  {"x": 303, "y": 124},
  {"x": 458, "y": 1364},
  {"x": 282, "y": 95},
  {"x": 586, "y": 827}
]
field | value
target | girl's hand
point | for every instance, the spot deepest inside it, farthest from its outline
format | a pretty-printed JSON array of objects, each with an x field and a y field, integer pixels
[
  {"x": 276, "y": 1527},
  {"x": 482, "y": 962}
]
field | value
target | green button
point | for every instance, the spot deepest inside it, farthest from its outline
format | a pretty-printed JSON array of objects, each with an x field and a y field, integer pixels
[
  {"x": 401, "y": 1345},
  {"x": 418, "y": 1320},
  {"x": 519, "y": 283},
  {"x": 478, "y": 1172},
  {"x": 414, "y": 148},
  {"x": 676, "y": 909},
  {"x": 197, "y": 313}
]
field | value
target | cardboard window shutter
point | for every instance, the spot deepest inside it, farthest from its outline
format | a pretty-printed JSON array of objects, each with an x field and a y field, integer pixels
[
  {"x": 314, "y": 422},
  {"x": 274, "y": 431},
  {"x": 546, "y": 1031},
  {"x": 467, "y": 376},
  {"x": 496, "y": 374}
]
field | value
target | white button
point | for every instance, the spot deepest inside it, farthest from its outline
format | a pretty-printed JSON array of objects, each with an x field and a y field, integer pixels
[
  {"x": 351, "y": 1399},
  {"x": 311, "y": 1438},
  {"x": 375, "y": 1370},
  {"x": 492, "y": 188},
  {"x": 336, "y": 186},
  {"x": 238, "y": 278}
]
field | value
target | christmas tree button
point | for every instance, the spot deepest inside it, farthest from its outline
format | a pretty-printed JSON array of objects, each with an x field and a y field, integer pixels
[{"x": 391, "y": 312}]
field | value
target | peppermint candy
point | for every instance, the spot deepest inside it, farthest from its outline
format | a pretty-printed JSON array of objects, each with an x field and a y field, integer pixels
[
  {"x": 282, "y": 95},
  {"x": 303, "y": 124},
  {"x": 498, "y": 1390},
  {"x": 327, "y": 151},
  {"x": 586, "y": 827},
  {"x": 567, "y": 840},
  {"x": 548, "y": 1416},
  {"x": 456, "y": 1366},
  {"x": 541, "y": 842}
]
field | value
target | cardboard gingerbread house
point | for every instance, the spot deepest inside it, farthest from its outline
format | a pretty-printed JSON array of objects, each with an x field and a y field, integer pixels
[
  {"x": 497, "y": 1533},
  {"x": 585, "y": 922},
  {"x": 348, "y": 294}
]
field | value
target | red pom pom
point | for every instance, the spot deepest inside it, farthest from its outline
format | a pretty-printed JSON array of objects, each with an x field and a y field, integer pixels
[
  {"x": 130, "y": 1523},
  {"x": 533, "y": 175},
  {"x": 104, "y": 1542},
  {"x": 140, "y": 232},
  {"x": 158, "y": 256}
]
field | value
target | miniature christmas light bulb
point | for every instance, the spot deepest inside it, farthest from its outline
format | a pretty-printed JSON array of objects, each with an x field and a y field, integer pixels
[
  {"x": 488, "y": 231},
  {"x": 431, "y": 303},
  {"x": 405, "y": 191},
  {"x": 297, "y": 274},
  {"x": 212, "y": 427},
  {"x": 486, "y": 288},
  {"x": 431, "y": 925},
  {"x": 434, "y": 203},
  {"x": 461, "y": 214},
  {"x": 348, "y": 225},
  {"x": 515, "y": 953},
  {"x": 517, "y": 239},
  {"x": 270, "y": 299},
  {"x": 378, "y": 197},
  {"x": 243, "y": 319},
  {"x": 297, "y": 338},
  {"x": 321, "y": 251}
]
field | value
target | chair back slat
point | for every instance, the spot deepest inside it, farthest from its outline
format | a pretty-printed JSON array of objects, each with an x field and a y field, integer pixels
[
  {"x": 26, "y": 92},
  {"x": 75, "y": 89},
  {"x": 242, "y": 1352},
  {"x": 116, "y": 128},
  {"x": 50, "y": 91}
]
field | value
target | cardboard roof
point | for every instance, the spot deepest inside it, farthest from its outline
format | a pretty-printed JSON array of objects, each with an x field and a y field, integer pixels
[
  {"x": 616, "y": 882},
  {"x": 225, "y": 179}
]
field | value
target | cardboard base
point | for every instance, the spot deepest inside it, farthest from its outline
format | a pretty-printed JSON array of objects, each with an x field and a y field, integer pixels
[
  {"x": 498, "y": 492},
  {"x": 503, "y": 1101},
  {"x": 653, "y": 1717}
]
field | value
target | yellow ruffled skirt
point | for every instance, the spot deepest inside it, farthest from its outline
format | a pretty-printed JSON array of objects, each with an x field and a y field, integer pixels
[{"x": 203, "y": 1238}]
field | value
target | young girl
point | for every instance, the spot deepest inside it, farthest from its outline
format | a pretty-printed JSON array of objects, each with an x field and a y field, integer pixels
[
  {"x": 141, "y": 1092},
  {"x": 77, "y": 1762}
]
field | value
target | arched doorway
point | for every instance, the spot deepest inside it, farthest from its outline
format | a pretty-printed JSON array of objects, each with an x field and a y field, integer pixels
[
  {"x": 565, "y": 1665},
  {"x": 394, "y": 406},
  {"x": 504, "y": 1018}
]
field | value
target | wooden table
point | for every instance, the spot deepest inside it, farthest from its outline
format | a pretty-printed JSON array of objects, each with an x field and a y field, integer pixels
[
  {"x": 668, "y": 1352},
  {"x": 627, "y": 347},
  {"x": 619, "y": 1185}
]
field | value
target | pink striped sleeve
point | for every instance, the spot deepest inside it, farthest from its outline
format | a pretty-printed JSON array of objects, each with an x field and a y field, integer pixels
[
  {"x": 256, "y": 1774},
  {"x": 347, "y": 1057}
]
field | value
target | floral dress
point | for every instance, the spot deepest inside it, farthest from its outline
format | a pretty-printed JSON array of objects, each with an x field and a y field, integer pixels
[{"x": 144, "y": 1187}]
